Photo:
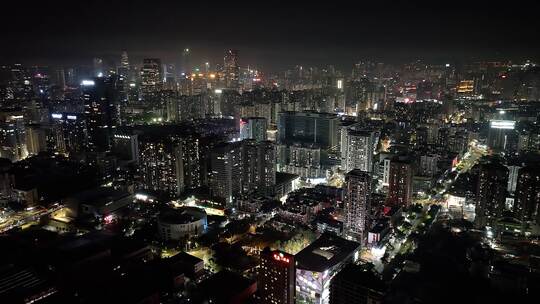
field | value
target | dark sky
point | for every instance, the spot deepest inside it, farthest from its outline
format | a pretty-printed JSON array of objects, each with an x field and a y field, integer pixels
[{"x": 269, "y": 34}]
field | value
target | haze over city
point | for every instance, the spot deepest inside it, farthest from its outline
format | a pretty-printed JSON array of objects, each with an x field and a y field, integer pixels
[{"x": 272, "y": 153}]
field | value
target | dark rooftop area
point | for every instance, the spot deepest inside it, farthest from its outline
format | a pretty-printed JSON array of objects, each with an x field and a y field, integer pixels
[{"x": 325, "y": 252}]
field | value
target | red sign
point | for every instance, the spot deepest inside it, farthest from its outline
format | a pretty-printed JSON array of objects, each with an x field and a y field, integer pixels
[{"x": 281, "y": 257}]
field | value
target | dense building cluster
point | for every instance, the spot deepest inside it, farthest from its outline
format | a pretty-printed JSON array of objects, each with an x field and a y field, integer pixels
[{"x": 196, "y": 183}]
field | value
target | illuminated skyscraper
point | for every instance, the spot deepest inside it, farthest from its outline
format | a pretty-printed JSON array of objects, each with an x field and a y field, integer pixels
[
  {"x": 317, "y": 265},
  {"x": 357, "y": 203},
  {"x": 169, "y": 76},
  {"x": 253, "y": 128},
  {"x": 499, "y": 134},
  {"x": 226, "y": 175},
  {"x": 123, "y": 69},
  {"x": 68, "y": 133},
  {"x": 527, "y": 207},
  {"x": 308, "y": 128},
  {"x": 186, "y": 61},
  {"x": 490, "y": 194},
  {"x": 357, "y": 149},
  {"x": 98, "y": 67},
  {"x": 231, "y": 69},
  {"x": 12, "y": 135},
  {"x": 276, "y": 277},
  {"x": 20, "y": 84},
  {"x": 100, "y": 98},
  {"x": 400, "y": 182},
  {"x": 36, "y": 139},
  {"x": 151, "y": 77}
]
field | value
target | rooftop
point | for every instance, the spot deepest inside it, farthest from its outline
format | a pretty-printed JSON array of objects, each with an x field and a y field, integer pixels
[
  {"x": 325, "y": 252},
  {"x": 182, "y": 215},
  {"x": 100, "y": 196},
  {"x": 362, "y": 276}
]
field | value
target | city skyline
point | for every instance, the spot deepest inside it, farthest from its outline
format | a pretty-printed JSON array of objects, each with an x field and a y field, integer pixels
[
  {"x": 269, "y": 153},
  {"x": 270, "y": 38}
]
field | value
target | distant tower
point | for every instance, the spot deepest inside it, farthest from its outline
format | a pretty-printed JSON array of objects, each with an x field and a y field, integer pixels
[
  {"x": 100, "y": 97},
  {"x": 186, "y": 61},
  {"x": 124, "y": 61},
  {"x": 98, "y": 67},
  {"x": 151, "y": 76},
  {"x": 231, "y": 69},
  {"x": 123, "y": 70}
]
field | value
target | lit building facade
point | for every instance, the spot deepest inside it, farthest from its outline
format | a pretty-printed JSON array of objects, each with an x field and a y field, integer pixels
[
  {"x": 400, "y": 182},
  {"x": 159, "y": 163},
  {"x": 253, "y": 128},
  {"x": 100, "y": 98},
  {"x": 276, "y": 277},
  {"x": 357, "y": 204},
  {"x": 231, "y": 70},
  {"x": 68, "y": 133},
  {"x": 527, "y": 195},
  {"x": 318, "y": 263},
  {"x": 151, "y": 77},
  {"x": 490, "y": 194},
  {"x": 357, "y": 149},
  {"x": 12, "y": 135}
]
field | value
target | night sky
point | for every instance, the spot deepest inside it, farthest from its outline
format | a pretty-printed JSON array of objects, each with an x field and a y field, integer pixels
[{"x": 270, "y": 35}]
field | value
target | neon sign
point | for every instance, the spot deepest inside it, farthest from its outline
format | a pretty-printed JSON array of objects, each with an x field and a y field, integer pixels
[{"x": 281, "y": 257}]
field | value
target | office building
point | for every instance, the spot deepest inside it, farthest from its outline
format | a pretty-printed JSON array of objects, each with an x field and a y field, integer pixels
[
  {"x": 12, "y": 135},
  {"x": 69, "y": 133},
  {"x": 126, "y": 146},
  {"x": 185, "y": 67},
  {"x": 231, "y": 70},
  {"x": 513, "y": 174},
  {"x": 308, "y": 128},
  {"x": 123, "y": 69},
  {"x": 318, "y": 263},
  {"x": 276, "y": 277},
  {"x": 500, "y": 133},
  {"x": 151, "y": 77},
  {"x": 36, "y": 139},
  {"x": 159, "y": 161},
  {"x": 100, "y": 97}
]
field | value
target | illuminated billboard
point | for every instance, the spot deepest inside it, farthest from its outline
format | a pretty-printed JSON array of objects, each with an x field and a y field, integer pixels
[
  {"x": 88, "y": 83},
  {"x": 502, "y": 124}
]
